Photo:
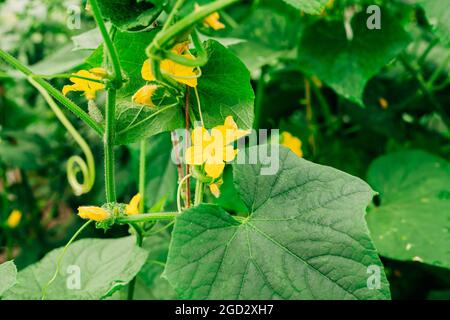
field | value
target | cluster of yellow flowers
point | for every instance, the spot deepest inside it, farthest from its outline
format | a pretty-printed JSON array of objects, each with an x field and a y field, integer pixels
[
  {"x": 89, "y": 88},
  {"x": 180, "y": 73},
  {"x": 213, "y": 150}
]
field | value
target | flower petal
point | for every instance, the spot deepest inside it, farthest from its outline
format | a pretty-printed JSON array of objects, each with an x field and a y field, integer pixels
[
  {"x": 182, "y": 74},
  {"x": 93, "y": 213},
  {"x": 146, "y": 71},
  {"x": 144, "y": 95},
  {"x": 229, "y": 153},
  {"x": 14, "y": 219},
  {"x": 214, "y": 188},
  {"x": 133, "y": 206},
  {"x": 291, "y": 142},
  {"x": 214, "y": 170},
  {"x": 201, "y": 137},
  {"x": 195, "y": 156}
]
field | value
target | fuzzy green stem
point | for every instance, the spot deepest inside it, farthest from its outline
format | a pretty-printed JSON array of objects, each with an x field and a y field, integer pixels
[
  {"x": 78, "y": 111},
  {"x": 66, "y": 76},
  {"x": 164, "y": 37},
  {"x": 109, "y": 45},
  {"x": 142, "y": 174},
  {"x": 110, "y": 186},
  {"x": 201, "y": 56},
  {"x": 172, "y": 13},
  {"x": 144, "y": 217},
  {"x": 199, "y": 189}
]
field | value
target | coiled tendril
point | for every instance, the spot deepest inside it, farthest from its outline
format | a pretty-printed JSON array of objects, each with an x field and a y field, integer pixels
[{"x": 75, "y": 164}]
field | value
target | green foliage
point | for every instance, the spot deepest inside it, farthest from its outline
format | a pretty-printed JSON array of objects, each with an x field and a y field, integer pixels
[
  {"x": 130, "y": 15},
  {"x": 299, "y": 233},
  {"x": 269, "y": 34},
  {"x": 301, "y": 220},
  {"x": 136, "y": 122},
  {"x": 8, "y": 274},
  {"x": 150, "y": 274},
  {"x": 104, "y": 266},
  {"x": 412, "y": 220},
  {"x": 347, "y": 64}
]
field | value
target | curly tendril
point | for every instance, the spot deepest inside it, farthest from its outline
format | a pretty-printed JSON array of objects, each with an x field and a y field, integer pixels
[{"x": 75, "y": 164}]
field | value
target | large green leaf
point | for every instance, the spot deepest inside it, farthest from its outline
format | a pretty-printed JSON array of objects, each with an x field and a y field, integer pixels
[
  {"x": 412, "y": 222},
  {"x": 8, "y": 274},
  {"x": 224, "y": 88},
  {"x": 305, "y": 238},
  {"x": 346, "y": 65},
  {"x": 105, "y": 265},
  {"x": 132, "y": 15},
  {"x": 136, "y": 122}
]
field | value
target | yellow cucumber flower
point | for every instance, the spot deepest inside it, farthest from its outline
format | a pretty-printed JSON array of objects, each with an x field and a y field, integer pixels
[
  {"x": 14, "y": 219},
  {"x": 144, "y": 95},
  {"x": 178, "y": 72},
  {"x": 215, "y": 188},
  {"x": 211, "y": 21},
  {"x": 93, "y": 213},
  {"x": 88, "y": 87},
  {"x": 292, "y": 142},
  {"x": 384, "y": 104},
  {"x": 133, "y": 206},
  {"x": 213, "y": 150}
]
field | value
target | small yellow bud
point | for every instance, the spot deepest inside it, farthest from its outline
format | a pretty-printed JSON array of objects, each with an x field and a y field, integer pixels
[
  {"x": 93, "y": 213},
  {"x": 14, "y": 219},
  {"x": 214, "y": 188},
  {"x": 384, "y": 104}
]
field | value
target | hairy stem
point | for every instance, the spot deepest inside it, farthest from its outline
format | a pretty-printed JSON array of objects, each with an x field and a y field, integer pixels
[
  {"x": 110, "y": 186},
  {"x": 109, "y": 45},
  {"x": 144, "y": 217},
  {"x": 142, "y": 174},
  {"x": 164, "y": 37},
  {"x": 199, "y": 192}
]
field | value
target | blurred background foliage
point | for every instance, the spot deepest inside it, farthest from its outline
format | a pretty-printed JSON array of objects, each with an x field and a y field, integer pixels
[{"x": 348, "y": 104}]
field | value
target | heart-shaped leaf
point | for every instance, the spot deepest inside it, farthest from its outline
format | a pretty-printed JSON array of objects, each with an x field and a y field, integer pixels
[{"x": 305, "y": 238}]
